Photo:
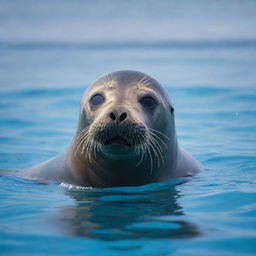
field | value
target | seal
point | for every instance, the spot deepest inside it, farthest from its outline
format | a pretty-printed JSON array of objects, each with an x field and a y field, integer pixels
[{"x": 125, "y": 136}]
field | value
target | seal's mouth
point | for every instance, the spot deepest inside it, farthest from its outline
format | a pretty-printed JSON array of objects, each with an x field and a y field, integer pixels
[{"x": 118, "y": 140}]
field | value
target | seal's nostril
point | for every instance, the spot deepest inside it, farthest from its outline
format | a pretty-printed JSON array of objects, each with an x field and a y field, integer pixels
[
  {"x": 122, "y": 117},
  {"x": 112, "y": 116}
]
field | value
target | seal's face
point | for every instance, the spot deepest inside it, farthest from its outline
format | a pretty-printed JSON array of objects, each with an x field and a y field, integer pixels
[{"x": 124, "y": 115}]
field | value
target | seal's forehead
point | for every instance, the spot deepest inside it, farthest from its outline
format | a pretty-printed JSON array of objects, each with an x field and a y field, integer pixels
[
  {"x": 127, "y": 82},
  {"x": 125, "y": 78}
]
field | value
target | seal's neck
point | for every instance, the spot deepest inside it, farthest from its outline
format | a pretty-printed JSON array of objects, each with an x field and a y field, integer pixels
[
  {"x": 97, "y": 170},
  {"x": 101, "y": 171}
]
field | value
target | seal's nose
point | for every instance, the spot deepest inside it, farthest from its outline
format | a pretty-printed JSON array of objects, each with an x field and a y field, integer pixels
[{"x": 118, "y": 118}]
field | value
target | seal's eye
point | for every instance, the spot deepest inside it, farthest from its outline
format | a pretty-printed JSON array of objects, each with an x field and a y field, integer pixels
[
  {"x": 97, "y": 99},
  {"x": 148, "y": 102}
]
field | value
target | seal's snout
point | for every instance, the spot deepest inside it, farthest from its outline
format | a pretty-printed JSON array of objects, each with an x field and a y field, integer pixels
[{"x": 118, "y": 117}]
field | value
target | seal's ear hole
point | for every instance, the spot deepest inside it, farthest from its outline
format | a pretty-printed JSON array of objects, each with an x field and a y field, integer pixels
[{"x": 171, "y": 109}]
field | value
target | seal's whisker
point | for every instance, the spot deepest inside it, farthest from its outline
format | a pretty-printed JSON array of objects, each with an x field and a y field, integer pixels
[
  {"x": 155, "y": 131},
  {"x": 83, "y": 132},
  {"x": 157, "y": 137},
  {"x": 151, "y": 160},
  {"x": 94, "y": 149},
  {"x": 89, "y": 151},
  {"x": 143, "y": 81},
  {"x": 144, "y": 152},
  {"x": 147, "y": 150},
  {"x": 152, "y": 146},
  {"x": 84, "y": 141},
  {"x": 160, "y": 150},
  {"x": 158, "y": 147},
  {"x": 99, "y": 147},
  {"x": 140, "y": 150},
  {"x": 157, "y": 143},
  {"x": 85, "y": 144},
  {"x": 81, "y": 138},
  {"x": 108, "y": 81},
  {"x": 159, "y": 156}
]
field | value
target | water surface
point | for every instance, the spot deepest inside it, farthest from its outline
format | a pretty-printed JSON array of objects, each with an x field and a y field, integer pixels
[{"x": 214, "y": 211}]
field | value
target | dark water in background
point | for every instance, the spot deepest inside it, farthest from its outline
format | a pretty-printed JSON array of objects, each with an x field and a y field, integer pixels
[{"x": 204, "y": 53}]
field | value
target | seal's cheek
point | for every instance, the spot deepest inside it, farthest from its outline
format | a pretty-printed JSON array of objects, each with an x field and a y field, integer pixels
[
  {"x": 84, "y": 119},
  {"x": 86, "y": 115},
  {"x": 144, "y": 118},
  {"x": 159, "y": 117}
]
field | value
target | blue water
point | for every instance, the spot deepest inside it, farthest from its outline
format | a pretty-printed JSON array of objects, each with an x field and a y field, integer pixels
[{"x": 208, "y": 69}]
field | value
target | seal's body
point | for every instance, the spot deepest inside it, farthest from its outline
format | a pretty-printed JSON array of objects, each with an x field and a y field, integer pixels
[{"x": 125, "y": 137}]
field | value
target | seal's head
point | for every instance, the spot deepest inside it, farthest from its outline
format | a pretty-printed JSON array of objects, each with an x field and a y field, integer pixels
[{"x": 126, "y": 117}]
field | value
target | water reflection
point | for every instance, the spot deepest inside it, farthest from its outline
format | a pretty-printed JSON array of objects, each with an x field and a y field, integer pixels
[{"x": 127, "y": 213}]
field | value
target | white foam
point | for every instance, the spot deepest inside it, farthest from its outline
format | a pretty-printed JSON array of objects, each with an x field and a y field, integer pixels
[{"x": 73, "y": 187}]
